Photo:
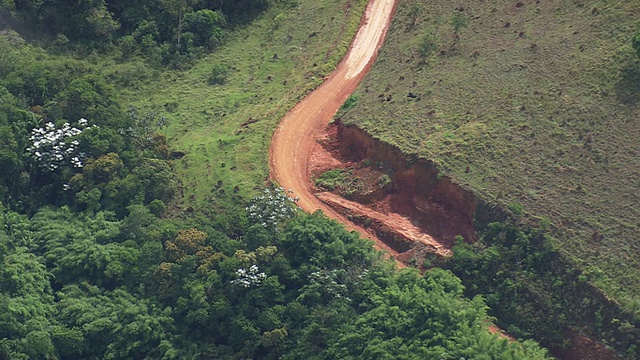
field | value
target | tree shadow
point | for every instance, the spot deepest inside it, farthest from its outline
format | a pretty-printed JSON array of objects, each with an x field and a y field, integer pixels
[{"x": 628, "y": 86}]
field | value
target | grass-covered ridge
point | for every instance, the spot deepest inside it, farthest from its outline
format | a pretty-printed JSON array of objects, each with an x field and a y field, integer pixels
[
  {"x": 225, "y": 129},
  {"x": 533, "y": 103}
]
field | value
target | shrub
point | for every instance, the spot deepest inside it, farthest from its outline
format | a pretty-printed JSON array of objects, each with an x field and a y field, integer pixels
[
  {"x": 515, "y": 208},
  {"x": 218, "y": 74},
  {"x": 157, "y": 207}
]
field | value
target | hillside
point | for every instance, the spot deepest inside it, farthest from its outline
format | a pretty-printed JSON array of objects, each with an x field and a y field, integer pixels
[
  {"x": 223, "y": 127},
  {"x": 133, "y": 135},
  {"x": 530, "y": 104}
]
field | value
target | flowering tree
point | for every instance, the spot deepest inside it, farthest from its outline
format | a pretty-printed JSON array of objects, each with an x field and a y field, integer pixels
[
  {"x": 249, "y": 277},
  {"x": 53, "y": 147},
  {"x": 272, "y": 207}
]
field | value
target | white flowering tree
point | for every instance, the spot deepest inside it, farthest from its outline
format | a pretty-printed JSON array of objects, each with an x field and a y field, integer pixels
[
  {"x": 53, "y": 147},
  {"x": 272, "y": 207},
  {"x": 250, "y": 277}
]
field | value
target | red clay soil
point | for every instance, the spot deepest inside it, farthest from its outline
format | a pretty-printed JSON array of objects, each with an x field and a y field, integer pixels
[
  {"x": 295, "y": 136},
  {"x": 413, "y": 204}
]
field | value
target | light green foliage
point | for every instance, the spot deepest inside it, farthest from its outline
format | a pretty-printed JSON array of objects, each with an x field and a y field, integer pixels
[
  {"x": 224, "y": 130},
  {"x": 332, "y": 179},
  {"x": 346, "y": 182},
  {"x": 9, "y": 56},
  {"x": 83, "y": 248},
  {"x": 26, "y": 304},
  {"x": 115, "y": 324},
  {"x": 219, "y": 74},
  {"x": 424, "y": 318}
]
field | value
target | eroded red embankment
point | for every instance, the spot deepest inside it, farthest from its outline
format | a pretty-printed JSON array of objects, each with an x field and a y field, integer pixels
[
  {"x": 419, "y": 212},
  {"x": 418, "y": 209}
]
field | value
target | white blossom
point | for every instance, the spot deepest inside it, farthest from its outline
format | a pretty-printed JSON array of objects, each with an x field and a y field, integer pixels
[
  {"x": 249, "y": 277},
  {"x": 272, "y": 207},
  {"x": 50, "y": 148}
]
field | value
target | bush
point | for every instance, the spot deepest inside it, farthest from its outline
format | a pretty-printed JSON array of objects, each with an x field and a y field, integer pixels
[
  {"x": 350, "y": 103},
  {"x": 157, "y": 207},
  {"x": 515, "y": 208},
  {"x": 427, "y": 46},
  {"x": 219, "y": 74}
]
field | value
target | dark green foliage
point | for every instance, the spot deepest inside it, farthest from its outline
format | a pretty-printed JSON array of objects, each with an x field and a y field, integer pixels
[
  {"x": 157, "y": 207},
  {"x": 206, "y": 26},
  {"x": 124, "y": 155},
  {"x": 166, "y": 32},
  {"x": 532, "y": 291},
  {"x": 91, "y": 286},
  {"x": 427, "y": 46},
  {"x": 350, "y": 103}
]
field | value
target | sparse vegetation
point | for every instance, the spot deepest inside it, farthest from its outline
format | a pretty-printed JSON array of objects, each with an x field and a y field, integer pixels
[{"x": 332, "y": 179}]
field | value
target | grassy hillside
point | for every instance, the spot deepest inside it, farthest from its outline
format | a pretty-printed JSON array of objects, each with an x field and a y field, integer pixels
[
  {"x": 530, "y": 103},
  {"x": 224, "y": 125}
]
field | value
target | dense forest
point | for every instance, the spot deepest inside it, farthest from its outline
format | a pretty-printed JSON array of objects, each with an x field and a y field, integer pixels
[
  {"x": 169, "y": 32},
  {"x": 94, "y": 264}
]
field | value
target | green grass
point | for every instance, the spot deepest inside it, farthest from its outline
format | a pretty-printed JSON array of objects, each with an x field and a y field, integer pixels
[
  {"x": 344, "y": 181},
  {"x": 535, "y": 105},
  {"x": 225, "y": 129},
  {"x": 332, "y": 179}
]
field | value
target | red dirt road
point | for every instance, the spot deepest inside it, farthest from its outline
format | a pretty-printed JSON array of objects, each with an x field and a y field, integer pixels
[{"x": 295, "y": 137}]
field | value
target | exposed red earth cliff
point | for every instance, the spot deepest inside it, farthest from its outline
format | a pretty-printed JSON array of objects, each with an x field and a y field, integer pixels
[{"x": 415, "y": 212}]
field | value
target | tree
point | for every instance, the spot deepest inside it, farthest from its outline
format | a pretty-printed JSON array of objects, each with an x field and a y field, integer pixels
[
  {"x": 115, "y": 324},
  {"x": 206, "y": 25},
  {"x": 26, "y": 306}
]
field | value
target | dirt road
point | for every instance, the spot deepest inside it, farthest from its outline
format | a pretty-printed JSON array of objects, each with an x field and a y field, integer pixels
[{"x": 295, "y": 137}]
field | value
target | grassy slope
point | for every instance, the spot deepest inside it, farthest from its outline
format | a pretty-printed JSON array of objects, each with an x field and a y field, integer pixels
[
  {"x": 539, "y": 113},
  {"x": 275, "y": 61}
]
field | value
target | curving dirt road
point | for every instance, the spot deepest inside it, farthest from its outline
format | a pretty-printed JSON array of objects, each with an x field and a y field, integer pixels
[{"x": 295, "y": 136}]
